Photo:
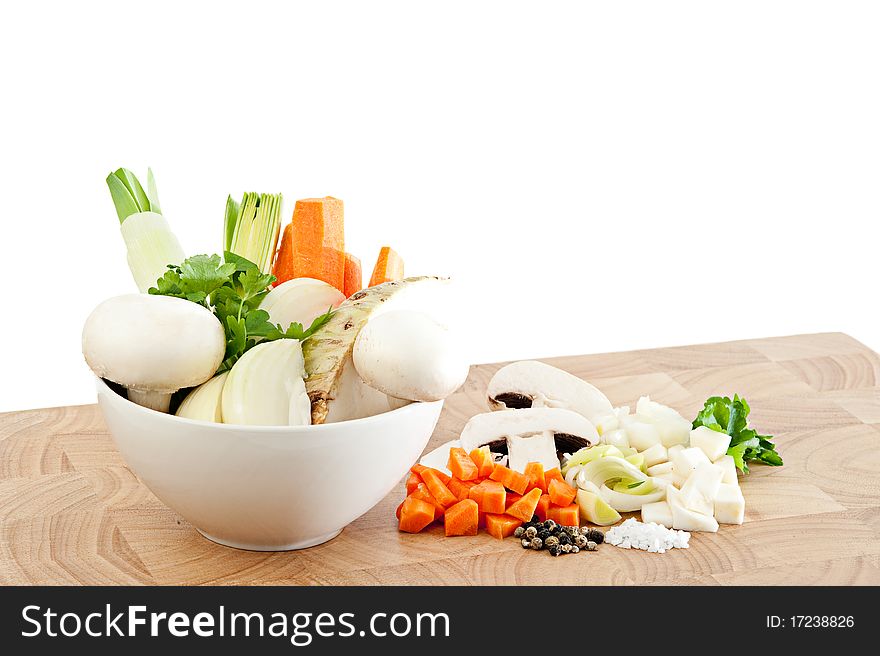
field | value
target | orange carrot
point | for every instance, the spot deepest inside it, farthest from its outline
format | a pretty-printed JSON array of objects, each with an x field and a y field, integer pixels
[
  {"x": 461, "y": 465},
  {"x": 501, "y": 526},
  {"x": 418, "y": 469},
  {"x": 460, "y": 488},
  {"x": 550, "y": 474},
  {"x": 561, "y": 493},
  {"x": 283, "y": 268},
  {"x": 319, "y": 241},
  {"x": 535, "y": 473},
  {"x": 493, "y": 497},
  {"x": 543, "y": 507},
  {"x": 462, "y": 519},
  {"x": 388, "y": 267},
  {"x": 354, "y": 279},
  {"x": 525, "y": 507},
  {"x": 415, "y": 515},
  {"x": 512, "y": 498},
  {"x": 422, "y": 492},
  {"x": 564, "y": 515},
  {"x": 438, "y": 488},
  {"x": 482, "y": 458},
  {"x": 512, "y": 480},
  {"x": 412, "y": 482}
]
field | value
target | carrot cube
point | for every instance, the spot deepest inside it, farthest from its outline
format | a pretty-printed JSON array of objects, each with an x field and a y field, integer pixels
[
  {"x": 412, "y": 482},
  {"x": 561, "y": 493},
  {"x": 564, "y": 515},
  {"x": 543, "y": 507},
  {"x": 418, "y": 469},
  {"x": 525, "y": 507},
  {"x": 422, "y": 492},
  {"x": 535, "y": 473},
  {"x": 461, "y": 465},
  {"x": 550, "y": 474},
  {"x": 415, "y": 515},
  {"x": 512, "y": 480},
  {"x": 389, "y": 266},
  {"x": 463, "y": 518},
  {"x": 438, "y": 488},
  {"x": 501, "y": 526},
  {"x": 512, "y": 498},
  {"x": 484, "y": 461},
  {"x": 460, "y": 488}
]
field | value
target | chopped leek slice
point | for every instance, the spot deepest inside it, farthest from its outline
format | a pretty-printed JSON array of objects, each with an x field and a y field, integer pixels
[
  {"x": 590, "y": 453},
  {"x": 250, "y": 228}
]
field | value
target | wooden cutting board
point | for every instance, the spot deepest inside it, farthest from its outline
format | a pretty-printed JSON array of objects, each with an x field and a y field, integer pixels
[{"x": 72, "y": 513}]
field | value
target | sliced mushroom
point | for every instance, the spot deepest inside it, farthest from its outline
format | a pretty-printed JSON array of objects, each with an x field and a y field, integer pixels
[
  {"x": 520, "y": 384},
  {"x": 525, "y": 434}
]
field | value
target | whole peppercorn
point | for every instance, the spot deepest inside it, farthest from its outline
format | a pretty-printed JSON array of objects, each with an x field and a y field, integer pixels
[
  {"x": 518, "y": 533},
  {"x": 536, "y": 519},
  {"x": 537, "y": 544},
  {"x": 572, "y": 530},
  {"x": 584, "y": 530},
  {"x": 531, "y": 532},
  {"x": 564, "y": 538},
  {"x": 526, "y": 543},
  {"x": 554, "y": 551},
  {"x": 580, "y": 541},
  {"x": 596, "y": 536},
  {"x": 575, "y": 549},
  {"x": 551, "y": 541},
  {"x": 550, "y": 525},
  {"x": 566, "y": 548},
  {"x": 592, "y": 546},
  {"x": 543, "y": 534}
]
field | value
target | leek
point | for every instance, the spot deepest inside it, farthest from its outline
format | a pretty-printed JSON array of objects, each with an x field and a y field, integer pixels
[
  {"x": 148, "y": 238},
  {"x": 250, "y": 228}
]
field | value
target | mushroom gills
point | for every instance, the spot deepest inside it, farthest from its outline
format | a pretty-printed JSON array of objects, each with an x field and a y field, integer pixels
[{"x": 530, "y": 383}]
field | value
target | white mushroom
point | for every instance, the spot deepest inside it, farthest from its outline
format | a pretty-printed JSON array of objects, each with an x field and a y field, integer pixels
[
  {"x": 153, "y": 345},
  {"x": 518, "y": 384},
  {"x": 408, "y": 355},
  {"x": 530, "y": 434}
]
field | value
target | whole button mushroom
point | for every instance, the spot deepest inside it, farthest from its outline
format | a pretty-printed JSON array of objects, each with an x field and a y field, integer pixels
[
  {"x": 153, "y": 345},
  {"x": 408, "y": 355}
]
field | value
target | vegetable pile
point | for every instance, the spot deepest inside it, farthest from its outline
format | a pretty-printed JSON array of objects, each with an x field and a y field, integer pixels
[
  {"x": 554, "y": 436},
  {"x": 264, "y": 337}
]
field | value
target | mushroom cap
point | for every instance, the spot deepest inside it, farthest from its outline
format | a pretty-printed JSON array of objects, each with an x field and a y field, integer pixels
[
  {"x": 408, "y": 355},
  {"x": 517, "y": 384},
  {"x": 153, "y": 343},
  {"x": 494, "y": 426}
]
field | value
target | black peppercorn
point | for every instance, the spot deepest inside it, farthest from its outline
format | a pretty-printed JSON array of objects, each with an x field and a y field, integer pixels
[
  {"x": 536, "y": 519},
  {"x": 596, "y": 536},
  {"x": 554, "y": 551}
]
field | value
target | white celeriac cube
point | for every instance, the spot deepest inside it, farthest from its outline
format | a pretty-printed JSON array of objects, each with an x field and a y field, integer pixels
[
  {"x": 606, "y": 423},
  {"x": 684, "y": 519},
  {"x": 616, "y": 437},
  {"x": 655, "y": 454},
  {"x": 672, "y": 450},
  {"x": 660, "y": 469},
  {"x": 730, "y": 505},
  {"x": 699, "y": 491},
  {"x": 713, "y": 443},
  {"x": 658, "y": 512},
  {"x": 642, "y": 435},
  {"x": 686, "y": 461},
  {"x": 729, "y": 466}
]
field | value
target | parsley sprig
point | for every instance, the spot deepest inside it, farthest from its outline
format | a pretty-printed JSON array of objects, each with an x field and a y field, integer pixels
[
  {"x": 722, "y": 414},
  {"x": 232, "y": 288}
]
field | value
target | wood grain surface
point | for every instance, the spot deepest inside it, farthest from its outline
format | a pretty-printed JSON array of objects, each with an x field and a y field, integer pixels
[{"x": 72, "y": 513}]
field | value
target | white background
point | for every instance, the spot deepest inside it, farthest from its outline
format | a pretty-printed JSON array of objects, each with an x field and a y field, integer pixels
[{"x": 597, "y": 177}]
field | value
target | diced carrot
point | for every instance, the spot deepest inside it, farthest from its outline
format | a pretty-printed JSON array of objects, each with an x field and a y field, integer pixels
[
  {"x": 418, "y": 469},
  {"x": 389, "y": 266},
  {"x": 535, "y": 473},
  {"x": 462, "y": 519},
  {"x": 501, "y": 526},
  {"x": 561, "y": 493},
  {"x": 564, "y": 515},
  {"x": 461, "y": 465},
  {"x": 412, "y": 482},
  {"x": 460, "y": 488},
  {"x": 415, "y": 515},
  {"x": 283, "y": 268},
  {"x": 319, "y": 240},
  {"x": 482, "y": 522},
  {"x": 543, "y": 507},
  {"x": 512, "y": 498},
  {"x": 525, "y": 507},
  {"x": 512, "y": 480},
  {"x": 422, "y": 492},
  {"x": 397, "y": 512},
  {"x": 493, "y": 497},
  {"x": 484, "y": 461},
  {"x": 354, "y": 279},
  {"x": 550, "y": 474},
  {"x": 438, "y": 488}
]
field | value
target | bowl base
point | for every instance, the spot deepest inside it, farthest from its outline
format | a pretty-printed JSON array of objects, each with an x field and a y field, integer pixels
[{"x": 305, "y": 544}]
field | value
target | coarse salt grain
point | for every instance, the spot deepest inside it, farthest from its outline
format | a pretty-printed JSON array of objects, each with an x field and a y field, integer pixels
[{"x": 651, "y": 537}]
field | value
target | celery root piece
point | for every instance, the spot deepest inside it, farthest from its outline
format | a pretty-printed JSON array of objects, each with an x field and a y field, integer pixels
[{"x": 328, "y": 351}]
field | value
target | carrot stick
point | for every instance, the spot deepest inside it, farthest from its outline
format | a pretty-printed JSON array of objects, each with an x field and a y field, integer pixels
[
  {"x": 319, "y": 240},
  {"x": 283, "y": 269},
  {"x": 389, "y": 266},
  {"x": 354, "y": 279}
]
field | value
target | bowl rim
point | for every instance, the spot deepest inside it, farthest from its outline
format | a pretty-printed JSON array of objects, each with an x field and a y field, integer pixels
[{"x": 277, "y": 430}]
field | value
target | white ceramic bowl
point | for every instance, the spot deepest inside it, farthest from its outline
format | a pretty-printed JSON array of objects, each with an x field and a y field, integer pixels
[{"x": 268, "y": 488}]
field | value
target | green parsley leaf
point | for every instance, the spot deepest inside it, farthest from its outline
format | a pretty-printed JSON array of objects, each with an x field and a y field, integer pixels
[{"x": 724, "y": 415}]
